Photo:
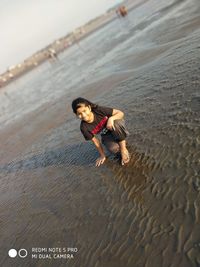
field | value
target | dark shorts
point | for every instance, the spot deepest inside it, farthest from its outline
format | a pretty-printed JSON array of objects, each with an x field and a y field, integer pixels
[{"x": 111, "y": 139}]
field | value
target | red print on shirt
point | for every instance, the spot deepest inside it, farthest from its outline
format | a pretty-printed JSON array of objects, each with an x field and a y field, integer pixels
[{"x": 100, "y": 126}]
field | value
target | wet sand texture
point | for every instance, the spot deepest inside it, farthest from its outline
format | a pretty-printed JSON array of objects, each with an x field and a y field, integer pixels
[{"x": 144, "y": 214}]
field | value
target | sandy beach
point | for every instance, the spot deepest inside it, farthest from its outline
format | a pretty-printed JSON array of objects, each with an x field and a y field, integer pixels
[{"x": 145, "y": 214}]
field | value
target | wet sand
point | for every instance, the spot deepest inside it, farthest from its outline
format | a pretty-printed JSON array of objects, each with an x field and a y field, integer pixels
[{"x": 144, "y": 214}]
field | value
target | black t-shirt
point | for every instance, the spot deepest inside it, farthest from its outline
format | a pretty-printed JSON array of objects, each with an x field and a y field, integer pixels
[{"x": 98, "y": 126}]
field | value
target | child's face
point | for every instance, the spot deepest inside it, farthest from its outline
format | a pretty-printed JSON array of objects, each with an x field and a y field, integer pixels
[{"x": 84, "y": 113}]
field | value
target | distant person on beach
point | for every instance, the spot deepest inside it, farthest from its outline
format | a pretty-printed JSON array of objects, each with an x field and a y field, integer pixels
[
  {"x": 52, "y": 54},
  {"x": 123, "y": 11},
  {"x": 105, "y": 121}
]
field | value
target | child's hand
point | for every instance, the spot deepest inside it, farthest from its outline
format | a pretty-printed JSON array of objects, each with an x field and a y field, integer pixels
[
  {"x": 110, "y": 124},
  {"x": 100, "y": 161}
]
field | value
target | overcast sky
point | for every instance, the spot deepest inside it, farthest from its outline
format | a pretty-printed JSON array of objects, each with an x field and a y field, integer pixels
[{"x": 27, "y": 26}]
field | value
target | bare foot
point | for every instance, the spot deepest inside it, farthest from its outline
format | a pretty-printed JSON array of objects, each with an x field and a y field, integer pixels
[{"x": 125, "y": 156}]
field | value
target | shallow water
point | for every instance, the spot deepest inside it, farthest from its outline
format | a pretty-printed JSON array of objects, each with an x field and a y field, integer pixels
[{"x": 144, "y": 214}]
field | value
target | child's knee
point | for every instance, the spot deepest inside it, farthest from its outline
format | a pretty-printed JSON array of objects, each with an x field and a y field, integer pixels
[
  {"x": 120, "y": 132},
  {"x": 119, "y": 123}
]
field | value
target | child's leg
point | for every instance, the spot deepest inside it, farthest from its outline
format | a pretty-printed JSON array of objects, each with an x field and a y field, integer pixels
[
  {"x": 109, "y": 142},
  {"x": 124, "y": 152},
  {"x": 120, "y": 133},
  {"x": 115, "y": 140}
]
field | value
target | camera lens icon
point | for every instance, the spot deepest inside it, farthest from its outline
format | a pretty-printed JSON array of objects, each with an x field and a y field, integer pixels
[
  {"x": 22, "y": 253},
  {"x": 12, "y": 253}
]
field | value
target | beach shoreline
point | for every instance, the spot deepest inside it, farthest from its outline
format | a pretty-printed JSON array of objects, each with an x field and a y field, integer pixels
[{"x": 62, "y": 44}]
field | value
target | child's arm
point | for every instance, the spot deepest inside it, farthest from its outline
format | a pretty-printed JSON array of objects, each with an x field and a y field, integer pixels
[
  {"x": 116, "y": 115},
  {"x": 100, "y": 149}
]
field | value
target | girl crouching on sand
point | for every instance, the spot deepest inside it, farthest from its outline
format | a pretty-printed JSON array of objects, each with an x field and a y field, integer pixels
[{"x": 105, "y": 121}]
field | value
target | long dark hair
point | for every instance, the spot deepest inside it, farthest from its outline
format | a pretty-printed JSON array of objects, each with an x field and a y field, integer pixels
[{"x": 78, "y": 102}]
